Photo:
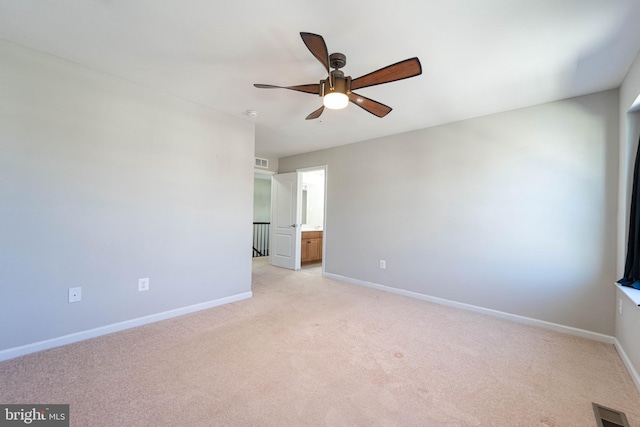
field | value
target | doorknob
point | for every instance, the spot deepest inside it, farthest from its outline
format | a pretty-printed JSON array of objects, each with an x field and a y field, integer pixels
[{"x": 293, "y": 225}]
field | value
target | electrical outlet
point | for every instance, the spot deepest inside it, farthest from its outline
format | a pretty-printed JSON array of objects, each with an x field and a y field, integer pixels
[
  {"x": 75, "y": 294},
  {"x": 143, "y": 284},
  {"x": 383, "y": 264},
  {"x": 619, "y": 306}
]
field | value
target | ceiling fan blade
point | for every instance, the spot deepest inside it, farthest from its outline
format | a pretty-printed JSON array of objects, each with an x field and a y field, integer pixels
[
  {"x": 374, "y": 107},
  {"x": 315, "y": 43},
  {"x": 310, "y": 88},
  {"x": 398, "y": 71},
  {"x": 315, "y": 114}
]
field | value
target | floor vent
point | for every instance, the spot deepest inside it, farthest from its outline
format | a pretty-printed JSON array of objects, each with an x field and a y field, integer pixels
[{"x": 607, "y": 417}]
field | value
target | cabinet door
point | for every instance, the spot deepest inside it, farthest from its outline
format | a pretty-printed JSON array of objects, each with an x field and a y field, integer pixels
[
  {"x": 314, "y": 249},
  {"x": 304, "y": 250}
]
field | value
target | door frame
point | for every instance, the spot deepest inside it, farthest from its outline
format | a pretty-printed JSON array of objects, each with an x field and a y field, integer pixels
[{"x": 324, "y": 216}]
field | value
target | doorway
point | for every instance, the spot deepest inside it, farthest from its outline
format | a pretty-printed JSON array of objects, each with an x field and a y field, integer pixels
[
  {"x": 312, "y": 215},
  {"x": 261, "y": 215},
  {"x": 299, "y": 209}
]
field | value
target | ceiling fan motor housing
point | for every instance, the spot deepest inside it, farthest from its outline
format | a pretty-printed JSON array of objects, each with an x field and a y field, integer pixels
[{"x": 337, "y": 60}]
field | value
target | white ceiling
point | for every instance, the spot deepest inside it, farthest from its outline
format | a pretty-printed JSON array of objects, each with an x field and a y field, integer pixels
[{"x": 478, "y": 56}]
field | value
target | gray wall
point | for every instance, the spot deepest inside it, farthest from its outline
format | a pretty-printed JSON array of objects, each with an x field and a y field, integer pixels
[
  {"x": 514, "y": 212},
  {"x": 103, "y": 182}
]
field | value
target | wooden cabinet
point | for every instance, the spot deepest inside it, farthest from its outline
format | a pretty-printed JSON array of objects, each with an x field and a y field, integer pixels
[{"x": 311, "y": 247}]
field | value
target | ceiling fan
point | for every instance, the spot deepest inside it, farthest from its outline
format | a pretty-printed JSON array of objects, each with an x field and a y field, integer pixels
[{"x": 337, "y": 90}]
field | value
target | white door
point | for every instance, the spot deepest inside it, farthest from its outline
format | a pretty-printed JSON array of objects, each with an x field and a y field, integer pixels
[{"x": 285, "y": 221}]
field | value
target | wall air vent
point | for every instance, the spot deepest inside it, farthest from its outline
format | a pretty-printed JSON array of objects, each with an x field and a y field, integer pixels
[
  {"x": 262, "y": 163},
  {"x": 607, "y": 417}
]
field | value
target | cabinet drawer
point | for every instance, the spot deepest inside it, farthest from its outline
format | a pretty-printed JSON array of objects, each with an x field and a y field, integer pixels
[{"x": 311, "y": 234}]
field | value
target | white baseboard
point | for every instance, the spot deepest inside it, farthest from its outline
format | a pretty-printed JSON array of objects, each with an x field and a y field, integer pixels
[
  {"x": 513, "y": 317},
  {"x": 11, "y": 353},
  {"x": 627, "y": 363},
  {"x": 495, "y": 313}
]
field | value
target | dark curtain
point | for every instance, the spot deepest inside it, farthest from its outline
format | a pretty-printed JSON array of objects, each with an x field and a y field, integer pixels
[{"x": 632, "y": 265}]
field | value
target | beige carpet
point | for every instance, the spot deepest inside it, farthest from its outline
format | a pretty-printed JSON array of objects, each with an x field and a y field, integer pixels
[{"x": 307, "y": 350}]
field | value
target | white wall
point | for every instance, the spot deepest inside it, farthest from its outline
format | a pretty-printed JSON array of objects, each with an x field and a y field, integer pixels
[
  {"x": 514, "y": 212},
  {"x": 628, "y": 322},
  {"x": 314, "y": 182},
  {"x": 103, "y": 182}
]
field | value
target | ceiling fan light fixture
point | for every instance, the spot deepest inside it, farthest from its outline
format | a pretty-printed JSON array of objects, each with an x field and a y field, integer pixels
[
  {"x": 335, "y": 100},
  {"x": 336, "y": 90}
]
